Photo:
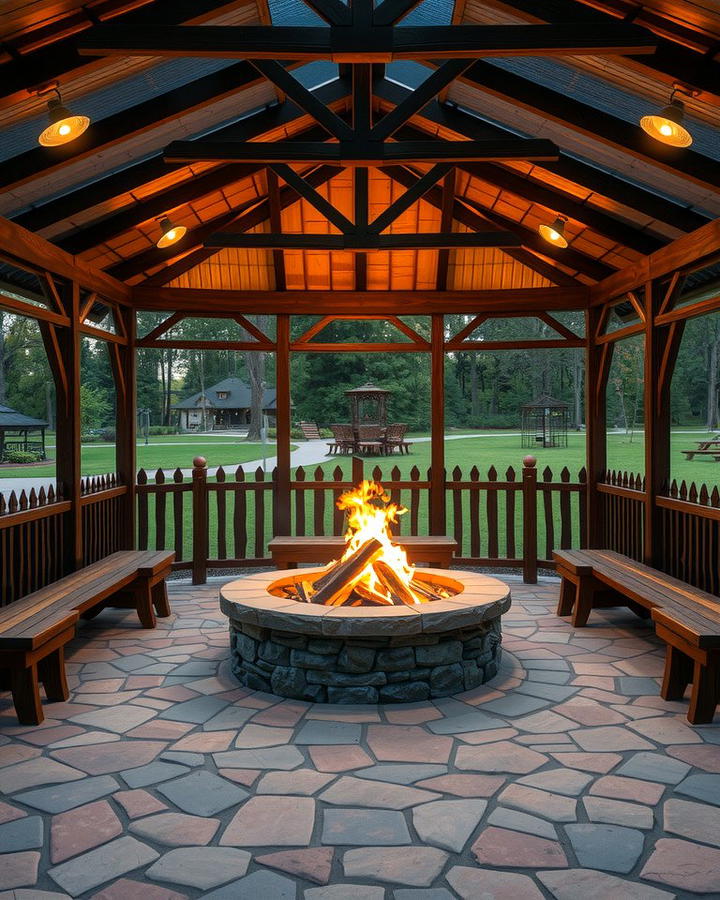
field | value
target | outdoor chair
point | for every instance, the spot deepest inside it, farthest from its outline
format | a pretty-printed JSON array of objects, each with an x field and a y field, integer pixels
[
  {"x": 343, "y": 440},
  {"x": 371, "y": 439},
  {"x": 395, "y": 438}
]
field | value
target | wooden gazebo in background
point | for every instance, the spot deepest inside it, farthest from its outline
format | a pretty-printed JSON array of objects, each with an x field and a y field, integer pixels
[
  {"x": 544, "y": 422},
  {"x": 15, "y": 431},
  {"x": 406, "y": 174}
]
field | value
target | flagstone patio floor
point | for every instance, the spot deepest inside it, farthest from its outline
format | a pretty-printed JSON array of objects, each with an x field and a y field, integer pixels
[{"x": 567, "y": 776}]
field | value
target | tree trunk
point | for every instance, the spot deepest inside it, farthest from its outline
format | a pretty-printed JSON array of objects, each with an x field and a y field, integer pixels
[
  {"x": 474, "y": 392},
  {"x": 255, "y": 362},
  {"x": 712, "y": 391},
  {"x": 578, "y": 374},
  {"x": 49, "y": 406},
  {"x": 3, "y": 382}
]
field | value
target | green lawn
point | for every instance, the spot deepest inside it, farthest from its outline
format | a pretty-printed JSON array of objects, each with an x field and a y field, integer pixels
[{"x": 166, "y": 451}]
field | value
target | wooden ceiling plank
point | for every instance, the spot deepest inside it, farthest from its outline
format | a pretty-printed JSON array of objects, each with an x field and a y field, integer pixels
[
  {"x": 411, "y": 195},
  {"x": 323, "y": 206}
]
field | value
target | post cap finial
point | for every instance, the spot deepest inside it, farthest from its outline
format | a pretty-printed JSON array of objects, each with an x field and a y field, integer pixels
[
  {"x": 529, "y": 462},
  {"x": 200, "y": 462}
]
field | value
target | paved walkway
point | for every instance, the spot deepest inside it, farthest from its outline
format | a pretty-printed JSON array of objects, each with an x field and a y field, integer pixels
[{"x": 161, "y": 779}]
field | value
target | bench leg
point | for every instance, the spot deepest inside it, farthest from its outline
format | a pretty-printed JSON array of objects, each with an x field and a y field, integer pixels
[
  {"x": 568, "y": 590},
  {"x": 583, "y": 602},
  {"x": 678, "y": 674},
  {"x": 26, "y": 695},
  {"x": 51, "y": 671},
  {"x": 705, "y": 692},
  {"x": 144, "y": 605},
  {"x": 160, "y": 599}
]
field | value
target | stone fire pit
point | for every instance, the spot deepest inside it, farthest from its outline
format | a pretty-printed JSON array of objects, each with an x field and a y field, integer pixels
[{"x": 364, "y": 654}]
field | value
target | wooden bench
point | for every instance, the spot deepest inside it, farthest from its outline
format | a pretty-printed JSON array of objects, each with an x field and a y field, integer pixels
[
  {"x": 35, "y": 629},
  {"x": 287, "y": 552},
  {"x": 690, "y": 453},
  {"x": 686, "y": 618}
]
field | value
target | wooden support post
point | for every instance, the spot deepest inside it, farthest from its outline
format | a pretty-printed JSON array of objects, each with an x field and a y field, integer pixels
[
  {"x": 281, "y": 508},
  {"x": 358, "y": 470},
  {"x": 437, "y": 425},
  {"x": 200, "y": 520},
  {"x": 530, "y": 549},
  {"x": 597, "y": 365},
  {"x": 124, "y": 373}
]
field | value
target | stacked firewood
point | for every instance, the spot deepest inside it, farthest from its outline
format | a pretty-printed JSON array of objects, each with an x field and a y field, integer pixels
[{"x": 350, "y": 582}]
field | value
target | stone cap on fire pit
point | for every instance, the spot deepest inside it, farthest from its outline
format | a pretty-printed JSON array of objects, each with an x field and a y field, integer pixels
[{"x": 477, "y": 598}]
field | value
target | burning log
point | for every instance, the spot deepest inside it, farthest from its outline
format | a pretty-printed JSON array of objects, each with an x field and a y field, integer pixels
[
  {"x": 425, "y": 590},
  {"x": 395, "y": 586},
  {"x": 337, "y": 584},
  {"x": 366, "y": 594}
]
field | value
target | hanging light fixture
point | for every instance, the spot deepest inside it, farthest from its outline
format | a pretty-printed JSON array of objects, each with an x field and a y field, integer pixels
[
  {"x": 666, "y": 126},
  {"x": 64, "y": 125},
  {"x": 170, "y": 234},
  {"x": 555, "y": 234}
]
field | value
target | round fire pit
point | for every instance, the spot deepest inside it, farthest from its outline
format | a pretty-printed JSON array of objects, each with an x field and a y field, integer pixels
[{"x": 364, "y": 654}]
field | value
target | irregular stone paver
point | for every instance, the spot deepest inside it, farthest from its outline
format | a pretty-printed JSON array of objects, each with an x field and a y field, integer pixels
[
  {"x": 618, "y": 812},
  {"x": 101, "y": 759},
  {"x": 21, "y": 834},
  {"x": 138, "y": 803},
  {"x": 704, "y": 757},
  {"x": 520, "y": 821},
  {"x": 684, "y": 865},
  {"x": 401, "y": 774},
  {"x": 272, "y": 822},
  {"x": 587, "y": 762},
  {"x": 34, "y": 772},
  {"x": 271, "y": 758},
  {"x": 376, "y": 827},
  {"x": 654, "y": 767},
  {"x": 81, "y": 829},
  {"x": 176, "y": 829},
  {"x": 252, "y": 736},
  {"x": 422, "y": 894},
  {"x": 555, "y": 807},
  {"x": 471, "y": 883},
  {"x": 62, "y": 797},
  {"x": 19, "y": 869},
  {"x": 339, "y": 758},
  {"x": 195, "y": 711},
  {"x": 690, "y": 820},
  {"x": 593, "y": 885},
  {"x": 200, "y": 867},
  {"x": 608, "y": 847},
  {"x": 701, "y": 787},
  {"x": 119, "y": 719},
  {"x": 255, "y": 886},
  {"x": 560, "y": 781},
  {"x": 312, "y": 863},
  {"x": 126, "y": 888},
  {"x": 302, "y": 781},
  {"x": 323, "y": 733},
  {"x": 500, "y": 847},
  {"x": 102, "y": 864},
  {"x": 202, "y": 793},
  {"x": 349, "y": 791},
  {"x": 448, "y": 823},
  {"x": 464, "y": 785},
  {"x": 619, "y": 788},
  {"x": 609, "y": 737},
  {"x": 415, "y": 866},
  {"x": 407, "y": 743},
  {"x": 345, "y": 892},
  {"x": 500, "y": 757},
  {"x": 9, "y": 813},
  {"x": 152, "y": 774},
  {"x": 666, "y": 730}
]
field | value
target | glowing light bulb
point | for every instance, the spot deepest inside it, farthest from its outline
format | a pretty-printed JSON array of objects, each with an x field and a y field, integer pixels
[
  {"x": 64, "y": 129},
  {"x": 665, "y": 129},
  {"x": 666, "y": 126},
  {"x": 554, "y": 236},
  {"x": 555, "y": 233},
  {"x": 169, "y": 233},
  {"x": 64, "y": 126}
]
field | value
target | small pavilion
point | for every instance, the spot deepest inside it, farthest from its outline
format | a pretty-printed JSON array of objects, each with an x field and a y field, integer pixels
[
  {"x": 431, "y": 165},
  {"x": 545, "y": 423},
  {"x": 15, "y": 431}
]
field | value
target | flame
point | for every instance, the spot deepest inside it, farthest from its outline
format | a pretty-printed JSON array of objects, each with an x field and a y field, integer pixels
[{"x": 370, "y": 515}]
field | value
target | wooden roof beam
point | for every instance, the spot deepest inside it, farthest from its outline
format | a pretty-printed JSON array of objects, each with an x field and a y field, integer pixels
[
  {"x": 371, "y": 44},
  {"x": 359, "y": 153},
  {"x": 51, "y": 60},
  {"x": 363, "y": 242}
]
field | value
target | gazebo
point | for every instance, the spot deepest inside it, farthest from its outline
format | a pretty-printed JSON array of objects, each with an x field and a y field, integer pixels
[
  {"x": 15, "y": 429},
  {"x": 368, "y": 405},
  {"x": 545, "y": 423},
  {"x": 280, "y": 169}
]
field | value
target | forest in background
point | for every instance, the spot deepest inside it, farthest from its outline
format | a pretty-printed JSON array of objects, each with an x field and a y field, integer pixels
[{"x": 484, "y": 389}]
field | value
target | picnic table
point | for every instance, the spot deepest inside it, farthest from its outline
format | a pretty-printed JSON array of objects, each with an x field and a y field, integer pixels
[{"x": 706, "y": 447}]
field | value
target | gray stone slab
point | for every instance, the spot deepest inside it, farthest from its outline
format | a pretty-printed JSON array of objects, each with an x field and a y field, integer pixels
[
  {"x": 118, "y": 719},
  {"x": 423, "y": 894},
  {"x": 611, "y": 848},
  {"x": 229, "y": 718},
  {"x": 654, "y": 767},
  {"x": 520, "y": 821},
  {"x": 402, "y": 773},
  {"x": 203, "y": 793},
  {"x": 83, "y": 873},
  {"x": 448, "y": 823},
  {"x": 556, "y": 692},
  {"x": 258, "y": 886},
  {"x": 195, "y": 711},
  {"x": 197, "y": 667},
  {"x": 62, "y": 797},
  {"x": 200, "y": 867},
  {"x": 185, "y": 759},
  {"x": 515, "y": 704},
  {"x": 22, "y": 834},
  {"x": 153, "y": 773},
  {"x": 701, "y": 787},
  {"x": 548, "y": 677},
  {"x": 285, "y": 758},
  {"x": 569, "y": 782},
  {"x": 364, "y": 827},
  {"x": 133, "y": 662},
  {"x": 320, "y": 732},
  {"x": 636, "y": 686},
  {"x": 548, "y": 665},
  {"x": 345, "y": 891},
  {"x": 462, "y": 724}
]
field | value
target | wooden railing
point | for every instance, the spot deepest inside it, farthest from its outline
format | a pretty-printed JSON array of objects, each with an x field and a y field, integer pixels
[
  {"x": 622, "y": 498},
  {"x": 101, "y": 516},
  {"x": 690, "y": 530},
  {"x": 226, "y": 521}
]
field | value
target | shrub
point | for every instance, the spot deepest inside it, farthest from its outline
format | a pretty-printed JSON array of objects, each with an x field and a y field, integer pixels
[
  {"x": 162, "y": 429},
  {"x": 91, "y": 438},
  {"x": 22, "y": 456},
  {"x": 108, "y": 435}
]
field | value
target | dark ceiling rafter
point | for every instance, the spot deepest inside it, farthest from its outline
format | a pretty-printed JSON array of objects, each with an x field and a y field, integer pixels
[
  {"x": 673, "y": 61},
  {"x": 43, "y": 58},
  {"x": 364, "y": 242},
  {"x": 139, "y": 175},
  {"x": 195, "y": 238},
  {"x": 308, "y": 192},
  {"x": 578, "y": 172},
  {"x": 369, "y": 43}
]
